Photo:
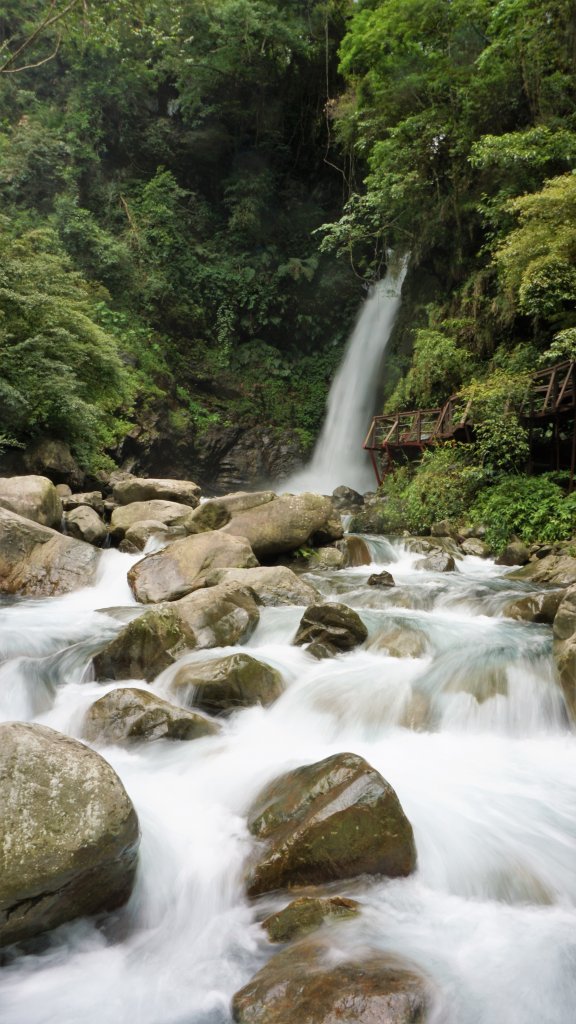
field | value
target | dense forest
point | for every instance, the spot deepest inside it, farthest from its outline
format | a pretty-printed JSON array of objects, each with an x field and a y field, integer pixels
[{"x": 195, "y": 196}]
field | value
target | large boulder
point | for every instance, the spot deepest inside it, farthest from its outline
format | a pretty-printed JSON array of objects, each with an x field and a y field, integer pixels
[
  {"x": 306, "y": 914},
  {"x": 437, "y": 561},
  {"x": 331, "y": 820},
  {"x": 307, "y": 984},
  {"x": 173, "y": 572},
  {"x": 137, "y": 489},
  {"x": 138, "y": 535},
  {"x": 286, "y": 523},
  {"x": 516, "y": 553},
  {"x": 541, "y": 607},
  {"x": 129, "y": 714},
  {"x": 216, "y": 512},
  {"x": 84, "y": 523},
  {"x": 273, "y": 584},
  {"x": 475, "y": 546},
  {"x": 218, "y": 617},
  {"x": 38, "y": 562},
  {"x": 558, "y": 569},
  {"x": 170, "y": 513},
  {"x": 355, "y": 551},
  {"x": 225, "y": 684},
  {"x": 330, "y": 629},
  {"x": 68, "y": 832},
  {"x": 52, "y": 458},
  {"x": 33, "y": 497}
]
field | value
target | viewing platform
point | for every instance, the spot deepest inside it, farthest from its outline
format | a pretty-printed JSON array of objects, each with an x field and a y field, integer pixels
[{"x": 548, "y": 411}]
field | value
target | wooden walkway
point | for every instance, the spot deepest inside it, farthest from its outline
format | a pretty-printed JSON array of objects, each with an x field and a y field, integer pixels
[{"x": 551, "y": 403}]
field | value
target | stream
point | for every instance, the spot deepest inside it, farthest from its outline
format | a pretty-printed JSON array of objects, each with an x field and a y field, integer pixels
[{"x": 473, "y": 736}]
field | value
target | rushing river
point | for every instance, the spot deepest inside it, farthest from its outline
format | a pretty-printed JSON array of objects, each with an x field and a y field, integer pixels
[{"x": 487, "y": 777}]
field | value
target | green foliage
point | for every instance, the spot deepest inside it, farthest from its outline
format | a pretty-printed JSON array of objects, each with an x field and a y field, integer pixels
[
  {"x": 442, "y": 486},
  {"x": 532, "y": 508},
  {"x": 494, "y": 402},
  {"x": 439, "y": 365}
]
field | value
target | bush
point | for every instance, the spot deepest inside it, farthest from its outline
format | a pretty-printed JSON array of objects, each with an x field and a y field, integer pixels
[
  {"x": 533, "y": 508},
  {"x": 444, "y": 486}
]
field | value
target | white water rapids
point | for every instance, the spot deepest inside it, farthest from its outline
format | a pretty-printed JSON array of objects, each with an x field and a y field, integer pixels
[
  {"x": 488, "y": 782},
  {"x": 338, "y": 457}
]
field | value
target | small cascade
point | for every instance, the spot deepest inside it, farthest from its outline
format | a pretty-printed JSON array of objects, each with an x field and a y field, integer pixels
[{"x": 338, "y": 457}]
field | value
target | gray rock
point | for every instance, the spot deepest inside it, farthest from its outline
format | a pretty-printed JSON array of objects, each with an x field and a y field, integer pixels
[
  {"x": 381, "y": 579},
  {"x": 515, "y": 553},
  {"x": 346, "y": 497},
  {"x": 287, "y": 523},
  {"x": 444, "y": 529},
  {"x": 399, "y": 642},
  {"x": 334, "y": 819},
  {"x": 138, "y": 535},
  {"x": 438, "y": 561},
  {"x": 68, "y": 832},
  {"x": 83, "y": 523},
  {"x": 330, "y": 629},
  {"x": 33, "y": 497},
  {"x": 129, "y": 714},
  {"x": 273, "y": 585},
  {"x": 326, "y": 558},
  {"x": 91, "y": 499},
  {"x": 139, "y": 489},
  {"x": 475, "y": 546},
  {"x": 170, "y": 513},
  {"x": 558, "y": 569},
  {"x": 53, "y": 458},
  {"x": 38, "y": 562},
  {"x": 175, "y": 571},
  {"x": 217, "y": 512},
  {"x": 225, "y": 684},
  {"x": 540, "y": 607}
]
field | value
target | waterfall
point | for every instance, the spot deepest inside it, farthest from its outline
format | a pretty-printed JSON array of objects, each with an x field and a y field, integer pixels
[{"x": 338, "y": 457}]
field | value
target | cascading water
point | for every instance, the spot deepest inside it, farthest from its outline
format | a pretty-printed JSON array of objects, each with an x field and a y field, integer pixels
[
  {"x": 471, "y": 732},
  {"x": 338, "y": 457}
]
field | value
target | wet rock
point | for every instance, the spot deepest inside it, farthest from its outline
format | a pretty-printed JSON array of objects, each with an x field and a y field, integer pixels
[
  {"x": 130, "y": 714},
  {"x": 273, "y": 585},
  {"x": 287, "y": 523},
  {"x": 35, "y": 561},
  {"x": 515, "y": 553},
  {"x": 331, "y": 820},
  {"x": 85, "y": 524},
  {"x": 139, "y": 489},
  {"x": 218, "y": 617},
  {"x": 33, "y": 497},
  {"x": 138, "y": 535},
  {"x": 330, "y": 629},
  {"x": 306, "y": 984},
  {"x": 399, "y": 642},
  {"x": 438, "y": 561},
  {"x": 306, "y": 914},
  {"x": 475, "y": 546},
  {"x": 381, "y": 579},
  {"x": 89, "y": 499},
  {"x": 540, "y": 607},
  {"x": 431, "y": 545},
  {"x": 355, "y": 551},
  {"x": 346, "y": 497},
  {"x": 225, "y": 684},
  {"x": 213, "y": 514},
  {"x": 173, "y": 572},
  {"x": 564, "y": 647},
  {"x": 68, "y": 832},
  {"x": 417, "y": 713},
  {"x": 170, "y": 513}
]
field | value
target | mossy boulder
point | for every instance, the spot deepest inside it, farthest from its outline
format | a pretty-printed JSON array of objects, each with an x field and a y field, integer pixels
[
  {"x": 177, "y": 569},
  {"x": 224, "y": 684},
  {"x": 307, "y": 984},
  {"x": 68, "y": 832},
  {"x": 330, "y": 629},
  {"x": 334, "y": 819},
  {"x": 130, "y": 714},
  {"x": 218, "y": 617},
  {"x": 306, "y": 914}
]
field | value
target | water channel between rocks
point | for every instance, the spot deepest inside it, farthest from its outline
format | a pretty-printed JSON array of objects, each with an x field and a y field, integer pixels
[{"x": 472, "y": 735}]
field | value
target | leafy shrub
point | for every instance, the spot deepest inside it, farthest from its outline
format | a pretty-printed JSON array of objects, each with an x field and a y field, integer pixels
[{"x": 533, "y": 508}]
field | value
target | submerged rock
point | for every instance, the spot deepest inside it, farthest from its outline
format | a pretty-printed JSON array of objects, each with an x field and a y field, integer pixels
[
  {"x": 540, "y": 607},
  {"x": 307, "y": 984},
  {"x": 331, "y": 820},
  {"x": 306, "y": 915},
  {"x": 224, "y": 684},
  {"x": 36, "y": 561},
  {"x": 218, "y": 617},
  {"x": 68, "y": 832},
  {"x": 399, "y": 642},
  {"x": 33, "y": 497},
  {"x": 330, "y": 629},
  {"x": 130, "y": 714},
  {"x": 174, "y": 572}
]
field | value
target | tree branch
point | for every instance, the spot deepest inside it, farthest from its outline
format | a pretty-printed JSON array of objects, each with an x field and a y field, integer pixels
[{"x": 48, "y": 21}]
